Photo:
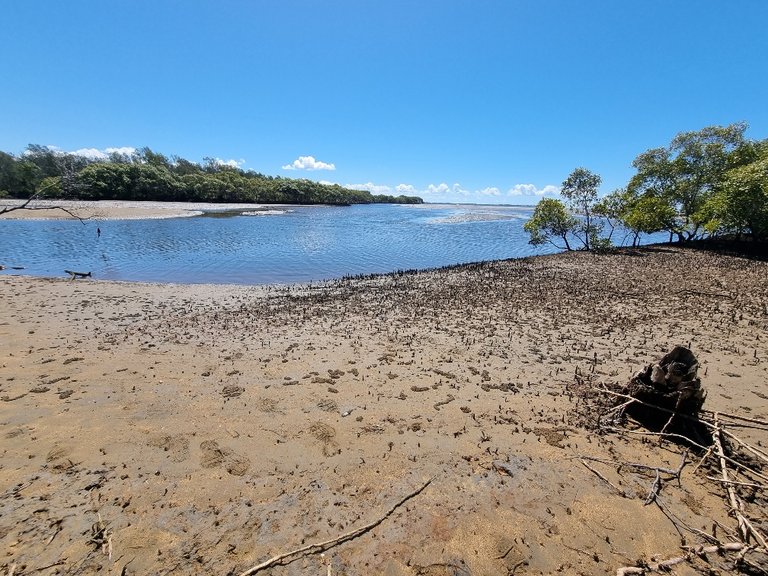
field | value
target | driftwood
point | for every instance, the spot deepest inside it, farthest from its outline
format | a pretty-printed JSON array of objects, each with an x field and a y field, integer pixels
[
  {"x": 322, "y": 546},
  {"x": 746, "y": 529},
  {"x": 670, "y": 396},
  {"x": 665, "y": 400},
  {"x": 77, "y": 274},
  {"x": 665, "y": 565}
]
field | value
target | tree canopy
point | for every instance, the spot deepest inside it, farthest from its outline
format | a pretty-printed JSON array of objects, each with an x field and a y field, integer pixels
[
  {"x": 685, "y": 174},
  {"x": 148, "y": 175},
  {"x": 552, "y": 219},
  {"x": 706, "y": 182}
]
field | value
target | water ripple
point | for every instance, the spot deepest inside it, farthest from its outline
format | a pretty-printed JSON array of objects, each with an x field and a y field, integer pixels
[{"x": 273, "y": 246}]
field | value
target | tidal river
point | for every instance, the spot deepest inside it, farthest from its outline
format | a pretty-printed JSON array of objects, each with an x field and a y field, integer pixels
[{"x": 269, "y": 246}]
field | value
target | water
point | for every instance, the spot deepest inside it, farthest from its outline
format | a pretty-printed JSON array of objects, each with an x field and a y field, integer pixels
[{"x": 299, "y": 244}]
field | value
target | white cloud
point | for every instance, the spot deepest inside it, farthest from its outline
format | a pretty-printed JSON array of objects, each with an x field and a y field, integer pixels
[
  {"x": 91, "y": 153},
  {"x": 96, "y": 154},
  {"x": 230, "y": 163},
  {"x": 443, "y": 189},
  {"x": 308, "y": 163},
  {"x": 123, "y": 150},
  {"x": 532, "y": 190},
  {"x": 371, "y": 187},
  {"x": 456, "y": 193}
]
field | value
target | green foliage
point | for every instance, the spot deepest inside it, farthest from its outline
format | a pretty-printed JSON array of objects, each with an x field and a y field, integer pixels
[
  {"x": 686, "y": 173},
  {"x": 149, "y": 175},
  {"x": 551, "y": 220},
  {"x": 49, "y": 187},
  {"x": 740, "y": 204},
  {"x": 580, "y": 191},
  {"x": 648, "y": 214}
]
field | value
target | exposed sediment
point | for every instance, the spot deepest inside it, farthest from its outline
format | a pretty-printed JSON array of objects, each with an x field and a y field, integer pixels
[{"x": 205, "y": 429}]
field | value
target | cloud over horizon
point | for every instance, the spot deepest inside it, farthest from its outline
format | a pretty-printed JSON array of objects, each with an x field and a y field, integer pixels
[
  {"x": 231, "y": 163},
  {"x": 96, "y": 154},
  {"x": 309, "y": 163},
  {"x": 457, "y": 193}
]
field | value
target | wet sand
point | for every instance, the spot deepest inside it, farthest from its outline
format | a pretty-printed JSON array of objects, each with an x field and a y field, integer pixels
[
  {"x": 117, "y": 209},
  {"x": 158, "y": 429}
]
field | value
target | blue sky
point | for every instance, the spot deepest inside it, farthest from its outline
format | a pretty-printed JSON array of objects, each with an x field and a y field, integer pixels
[{"x": 488, "y": 101}]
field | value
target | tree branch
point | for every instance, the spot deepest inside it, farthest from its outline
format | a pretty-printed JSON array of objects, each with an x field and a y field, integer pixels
[{"x": 322, "y": 546}]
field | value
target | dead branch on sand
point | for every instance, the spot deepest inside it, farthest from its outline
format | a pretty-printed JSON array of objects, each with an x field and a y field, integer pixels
[
  {"x": 665, "y": 402},
  {"x": 700, "y": 551},
  {"x": 746, "y": 529},
  {"x": 323, "y": 546},
  {"x": 618, "y": 490},
  {"x": 28, "y": 204}
]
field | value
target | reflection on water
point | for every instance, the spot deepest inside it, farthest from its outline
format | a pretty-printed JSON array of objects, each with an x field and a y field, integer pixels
[{"x": 269, "y": 246}]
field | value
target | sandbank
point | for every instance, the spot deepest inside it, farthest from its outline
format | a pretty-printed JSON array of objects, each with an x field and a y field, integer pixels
[{"x": 121, "y": 209}]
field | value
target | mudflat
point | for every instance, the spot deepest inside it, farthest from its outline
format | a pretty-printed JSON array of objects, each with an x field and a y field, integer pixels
[{"x": 438, "y": 419}]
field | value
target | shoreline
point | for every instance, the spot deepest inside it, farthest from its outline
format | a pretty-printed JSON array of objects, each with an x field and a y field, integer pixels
[
  {"x": 210, "y": 427},
  {"x": 124, "y": 209},
  {"x": 149, "y": 209}
]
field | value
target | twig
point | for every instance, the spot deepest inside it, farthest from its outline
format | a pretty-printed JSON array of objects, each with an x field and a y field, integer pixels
[
  {"x": 674, "y": 412},
  {"x": 654, "y": 406},
  {"x": 26, "y": 206},
  {"x": 746, "y": 469},
  {"x": 736, "y": 417},
  {"x": 43, "y": 568},
  {"x": 673, "y": 473},
  {"x": 683, "y": 462},
  {"x": 603, "y": 478},
  {"x": 322, "y": 546},
  {"x": 755, "y": 451},
  {"x": 757, "y": 534},
  {"x": 656, "y": 486},
  {"x": 654, "y": 492},
  {"x": 678, "y": 522},
  {"x": 737, "y": 483},
  {"x": 665, "y": 565},
  {"x": 618, "y": 408},
  {"x": 745, "y": 526},
  {"x": 665, "y": 434},
  {"x": 703, "y": 459}
]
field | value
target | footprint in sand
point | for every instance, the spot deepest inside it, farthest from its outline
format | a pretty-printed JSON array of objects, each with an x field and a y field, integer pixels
[
  {"x": 176, "y": 446},
  {"x": 214, "y": 456},
  {"x": 325, "y": 433}
]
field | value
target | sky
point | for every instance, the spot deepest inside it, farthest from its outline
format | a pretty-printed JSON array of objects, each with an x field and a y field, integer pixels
[{"x": 478, "y": 101}]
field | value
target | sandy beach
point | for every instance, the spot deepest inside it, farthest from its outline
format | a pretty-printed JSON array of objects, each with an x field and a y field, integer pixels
[
  {"x": 118, "y": 209},
  {"x": 165, "y": 429}
]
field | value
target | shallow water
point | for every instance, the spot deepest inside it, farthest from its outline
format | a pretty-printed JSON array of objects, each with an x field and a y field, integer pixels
[{"x": 298, "y": 244}]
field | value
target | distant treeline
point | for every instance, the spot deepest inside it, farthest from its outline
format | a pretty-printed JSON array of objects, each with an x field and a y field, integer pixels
[{"x": 146, "y": 175}]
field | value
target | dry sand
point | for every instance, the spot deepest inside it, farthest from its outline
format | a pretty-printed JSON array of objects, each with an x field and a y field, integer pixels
[{"x": 158, "y": 429}]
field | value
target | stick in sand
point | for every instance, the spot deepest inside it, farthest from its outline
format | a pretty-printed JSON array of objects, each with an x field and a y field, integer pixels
[{"x": 338, "y": 540}]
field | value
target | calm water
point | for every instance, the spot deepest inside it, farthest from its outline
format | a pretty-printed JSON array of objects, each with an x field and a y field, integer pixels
[{"x": 296, "y": 245}]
